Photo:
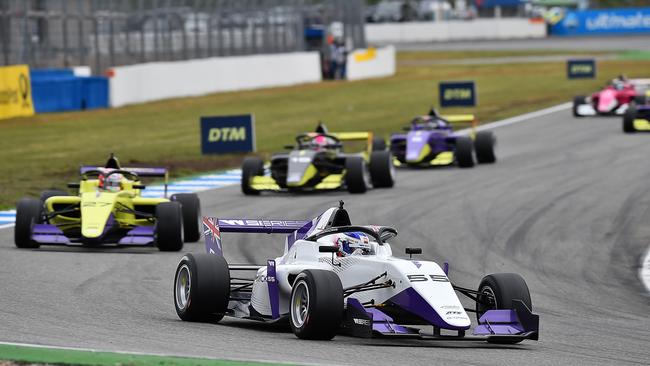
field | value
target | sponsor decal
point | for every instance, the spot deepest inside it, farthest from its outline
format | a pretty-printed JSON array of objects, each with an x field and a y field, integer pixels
[
  {"x": 15, "y": 92},
  {"x": 602, "y": 21},
  {"x": 227, "y": 134},
  {"x": 255, "y": 223},
  {"x": 358, "y": 321},
  {"x": 581, "y": 69},
  {"x": 457, "y": 93}
]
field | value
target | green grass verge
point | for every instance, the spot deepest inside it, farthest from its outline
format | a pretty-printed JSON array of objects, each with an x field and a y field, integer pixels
[
  {"x": 45, "y": 150},
  {"x": 46, "y": 355}
]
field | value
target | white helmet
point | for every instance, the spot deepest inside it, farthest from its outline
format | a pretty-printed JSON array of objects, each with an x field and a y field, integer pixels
[{"x": 113, "y": 182}]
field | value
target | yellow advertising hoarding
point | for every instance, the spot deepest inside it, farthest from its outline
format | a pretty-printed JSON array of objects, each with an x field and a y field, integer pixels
[{"x": 15, "y": 92}]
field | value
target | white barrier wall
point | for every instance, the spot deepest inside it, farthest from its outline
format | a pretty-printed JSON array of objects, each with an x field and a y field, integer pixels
[
  {"x": 371, "y": 63},
  {"x": 453, "y": 30},
  {"x": 161, "y": 80}
]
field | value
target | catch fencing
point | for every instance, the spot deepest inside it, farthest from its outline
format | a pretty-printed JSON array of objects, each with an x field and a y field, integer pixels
[{"x": 106, "y": 33}]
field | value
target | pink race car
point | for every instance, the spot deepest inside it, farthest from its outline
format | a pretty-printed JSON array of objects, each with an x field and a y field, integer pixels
[{"x": 614, "y": 99}]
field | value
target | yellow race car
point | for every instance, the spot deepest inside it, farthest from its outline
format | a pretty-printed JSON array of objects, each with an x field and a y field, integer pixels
[{"x": 109, "y": 209}]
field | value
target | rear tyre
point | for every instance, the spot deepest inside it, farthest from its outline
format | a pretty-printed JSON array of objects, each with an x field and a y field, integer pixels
[
  {"x": 640, "y": 99},
  {"x": 169, "y": 227},
  {"x": 484, "y": 147},
  {"x": 463, "y": 153},
  {"x": 191, "y": 210},
  {"x": 382, "y": 170},
  {"x": 28, "y": 213},
  {"x": 316, "y": 307},
  {"x": 355, "y": 175},
  {"x": 628, "y": 119},
  {"x": 252, "y": 166},
  {"x": 201, "y": 287},
  {"x": 378, "y": 144},
  {"x": 577, "y": 101}
]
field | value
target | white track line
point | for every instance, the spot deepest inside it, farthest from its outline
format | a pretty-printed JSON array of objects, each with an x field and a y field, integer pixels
[
  {"x": 644, "y": 272},
  {"x": 129, "y": 353}
]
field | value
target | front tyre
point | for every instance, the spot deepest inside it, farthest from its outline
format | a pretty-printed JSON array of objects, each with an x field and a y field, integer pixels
[
  {"x": 355, "y": 175},
  {"x": 628, "y": 119},
  {"x": 316, "y": 307},
  {"x": 464, "y": 152},
  {"x": 577, "y": 102},
  {"x": 191, "y": 212},
  {"x": 169, "y": 227},
  {"x": 252, "y": 166},
  {"x": 28, "y": 212},
  {"x": 201, "y": 287},
  {"x": 501, "y": 289},
  {"x": 484, "y": 147},
  {"x": 382, "y": 170}
]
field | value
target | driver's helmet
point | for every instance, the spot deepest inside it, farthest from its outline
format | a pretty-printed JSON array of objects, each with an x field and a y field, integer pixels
[
  {"x": 320, "y": 142},
  {"x": 112, "y": 183},
  {"x": 352, "y": 242}
]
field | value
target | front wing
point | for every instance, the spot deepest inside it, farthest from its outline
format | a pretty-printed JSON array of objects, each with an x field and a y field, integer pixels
[{"x": 267, "y": 183}]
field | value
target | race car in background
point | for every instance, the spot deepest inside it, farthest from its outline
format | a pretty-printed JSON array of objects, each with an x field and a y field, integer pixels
[
  {"x": 109, "y": 210},
  {"x": 636, "y": 118},
  {"x": 317, "y": 162},
  {"x": 336, "y": 277},
  {"x": 614, "y": 99},
  {"x": 431, "y": 141}
]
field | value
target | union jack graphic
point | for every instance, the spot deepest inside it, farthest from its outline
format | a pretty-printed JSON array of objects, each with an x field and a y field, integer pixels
[{"x": 211, "y": 231}]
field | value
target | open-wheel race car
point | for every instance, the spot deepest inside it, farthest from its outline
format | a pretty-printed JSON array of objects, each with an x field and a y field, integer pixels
[
  {"x": 335, "y": 277},
  {"x": 614, "y": 99},
  {"x": 637, "y": 118},
  {"x": 318, "y": 162},
  {"x": 109, "y": 210},
  {"x": 431, "y": 141}
]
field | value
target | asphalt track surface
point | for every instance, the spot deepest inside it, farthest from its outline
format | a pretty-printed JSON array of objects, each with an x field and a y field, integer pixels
[
  {"x": 567, "y": 206},
  {"x": 613, "y": 43}
]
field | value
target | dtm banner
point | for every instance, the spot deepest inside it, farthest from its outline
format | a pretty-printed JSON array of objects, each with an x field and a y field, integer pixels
[
  {"x": 15, "y": 92},
  {"x": 604, "y": 21},
  {"x": 227, "y": 134},
  {"x": 581, "y": 69},
  {"x": 457, "y": 93}
]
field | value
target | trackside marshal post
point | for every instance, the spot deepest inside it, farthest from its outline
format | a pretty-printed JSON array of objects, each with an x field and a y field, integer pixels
[
  {"x": 227, "y": 134},
  {"x": 457, "y": 93}
]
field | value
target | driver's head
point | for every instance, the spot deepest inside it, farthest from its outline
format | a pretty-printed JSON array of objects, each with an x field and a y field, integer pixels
[
  {"x": 351, "y": 242},
  {"x": 112, "y": 182},
  {"x": 320, "y": 142}
]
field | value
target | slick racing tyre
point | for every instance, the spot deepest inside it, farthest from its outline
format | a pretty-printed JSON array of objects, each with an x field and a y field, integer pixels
[
  {"x": 28, "y": 213},
  {"x": 484, "y": 147},
  {"x": 169, "y": 227},
  {"x": 464, "y": 153},
  {"x": 577, "y": 101},
  {"x": 628, "y": 119},
  {"x": 201, "y": 287},
  {"x": 378, "y": 144},
  {"x": 640, "y": 99},
  {"x": 356, "y": 174},
  {"x": 382, "y": 170},
  {"x": 191, "y": 210},
  {"x": 252, "y": 166},
  {"x": 316, "y": 307},
  {"x": 501, "y": 289}
]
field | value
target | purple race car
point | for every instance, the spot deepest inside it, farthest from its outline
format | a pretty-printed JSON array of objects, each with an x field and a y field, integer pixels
[
  {"x": 431, "y": 141},
  {"x": 335, "y": 277}
]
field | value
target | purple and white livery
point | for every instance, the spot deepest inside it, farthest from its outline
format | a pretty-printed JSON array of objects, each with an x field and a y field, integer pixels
[{"x": 321, "y": 290}]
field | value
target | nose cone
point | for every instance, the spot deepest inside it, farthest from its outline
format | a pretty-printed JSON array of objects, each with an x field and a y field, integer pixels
[
  {"x": 95, "y": 212},
  {"x": 606, "y": 101},
  {"x": 417, "y": 146}
]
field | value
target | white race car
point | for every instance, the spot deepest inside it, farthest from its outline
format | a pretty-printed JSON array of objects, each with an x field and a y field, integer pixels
[{"x": 338, "y": 278}]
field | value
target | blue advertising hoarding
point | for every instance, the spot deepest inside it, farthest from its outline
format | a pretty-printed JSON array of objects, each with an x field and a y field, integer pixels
[
  {"x": 581, "y": 69},
  {"x": 604, "y": 21},
  {"x": 227, "y": 134},
  {"x": 457, "y": 93}
]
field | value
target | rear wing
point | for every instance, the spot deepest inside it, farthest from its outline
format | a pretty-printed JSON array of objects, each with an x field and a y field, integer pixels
[
  {"x": 355, "y": 136},
  {"x": 213, "y": 227},
  {"x": 463, "y": 118},
  {"x": 140, "y": 171}
]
